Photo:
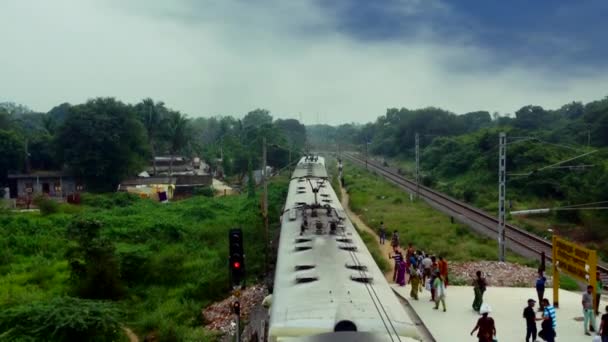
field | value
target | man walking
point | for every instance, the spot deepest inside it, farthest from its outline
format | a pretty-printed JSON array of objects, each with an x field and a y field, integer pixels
[
  {"x": 398, "y": 259},
  {"x": 549, "y": 323},
  {"x": 540, "y": 288},
  {"x": 530, "y": 318},
  {"x": 588, "y": 310},
  {"x": 426, "y": 268},
  {"x": 382, "y": 233},
  {"x": 395, "y": 239}
]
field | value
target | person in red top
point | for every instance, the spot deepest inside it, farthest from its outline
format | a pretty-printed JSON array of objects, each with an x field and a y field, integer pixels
[
  {"x": 485, "y": 325},
  {"x": 443, "y": 269}
]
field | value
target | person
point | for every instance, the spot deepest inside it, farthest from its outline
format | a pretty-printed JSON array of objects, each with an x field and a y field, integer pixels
[
  {"x": 549, "y": 322},
  {"x": 479, "y": 287},
  {"x": 434, "y": 275},
  {"x": 401, "y": 273},
  {"x": 398, "y": 258},
  {"x": 395, "y": 239},
  {"x": 426, "y": 268},
  {"x": 588, "y": 310},
  {"x": 530, "y": 317},
  {"x": 415, "y": 282},
  {"x": 604, "y": 326},
  {"x": 382, "y": 233},
  {"x": 540, "y": 288},
  {"x": 443, "y": 269},
  {"x": 485, "y": 325},
  {"x": 598, "y": 295},
  {"x": 410, "y": 250},
  {"x": 439, "y": 286}
]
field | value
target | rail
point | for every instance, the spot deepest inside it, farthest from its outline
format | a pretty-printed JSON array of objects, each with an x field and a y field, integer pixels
[{"x": 513, "y": 234}]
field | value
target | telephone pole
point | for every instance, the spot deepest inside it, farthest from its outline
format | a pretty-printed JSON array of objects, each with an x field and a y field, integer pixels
[
  {"x": 417, "y": 164},
  {"x": 502, "y": 174},
  {"x": 366, "y": 153}
]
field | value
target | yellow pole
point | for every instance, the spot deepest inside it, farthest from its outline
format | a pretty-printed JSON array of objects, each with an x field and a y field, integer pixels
[
  {"x": 592, "y": 275},
  {"x": 555, "y": 273}
]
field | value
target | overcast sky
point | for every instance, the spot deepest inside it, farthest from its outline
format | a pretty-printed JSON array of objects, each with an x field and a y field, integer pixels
[{"x": 333, "y": 61}]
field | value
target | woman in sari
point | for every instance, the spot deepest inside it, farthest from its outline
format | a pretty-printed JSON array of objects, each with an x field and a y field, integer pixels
[
  {"x": 401, "y": 273},
  {"x": 479, "y": 287},
  {"x": 415, "y": 282}
]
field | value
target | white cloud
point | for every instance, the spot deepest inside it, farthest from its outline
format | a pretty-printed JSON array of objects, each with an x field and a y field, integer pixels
[{"x": 231, "y": 56}]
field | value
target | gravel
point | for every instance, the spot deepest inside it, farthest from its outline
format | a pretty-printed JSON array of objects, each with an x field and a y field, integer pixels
[{"x": 497, "y": 273}]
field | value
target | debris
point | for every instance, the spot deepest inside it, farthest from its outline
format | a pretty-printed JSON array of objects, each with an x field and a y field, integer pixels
[
  {"x": 219, "y": 316},
  {"x": 496, "y": 273}
]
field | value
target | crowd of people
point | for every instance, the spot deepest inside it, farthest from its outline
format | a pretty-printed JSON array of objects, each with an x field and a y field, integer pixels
[{"x": 425, "y": 271}]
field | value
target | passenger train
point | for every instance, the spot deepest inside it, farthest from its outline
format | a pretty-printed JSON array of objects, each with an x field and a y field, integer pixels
[{"x": 327, "y": 286}]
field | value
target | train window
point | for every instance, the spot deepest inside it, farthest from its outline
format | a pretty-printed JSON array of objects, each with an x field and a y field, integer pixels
[
  {"x": 361, "y": 277},
  {"x": 306, "y": 278},
  {"x": 304, "y": 267},
  {"x": 356, "y": 266}
]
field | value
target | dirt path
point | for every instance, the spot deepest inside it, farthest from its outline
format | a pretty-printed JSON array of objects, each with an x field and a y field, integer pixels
[
  {"x": 354, "y": 218},
  {"x": 130, "y": 334}
]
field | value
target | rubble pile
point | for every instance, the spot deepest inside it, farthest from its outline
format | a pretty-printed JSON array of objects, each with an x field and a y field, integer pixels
[
  {"x": 496, "y": 273},
  {"x": 219, "y": 317}
]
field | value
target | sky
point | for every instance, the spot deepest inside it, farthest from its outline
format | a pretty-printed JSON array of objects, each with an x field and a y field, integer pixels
[{"x": 321, "y": 61}]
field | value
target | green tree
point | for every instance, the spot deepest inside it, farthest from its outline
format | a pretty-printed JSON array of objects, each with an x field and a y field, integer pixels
[
  {"x": 12, "y": 152},
  {"x": 95, "y": 269},
  {"x": 178, "y": 134},
  {"x": 153, "y": 116},
  {"x": 103, "y": 142}
]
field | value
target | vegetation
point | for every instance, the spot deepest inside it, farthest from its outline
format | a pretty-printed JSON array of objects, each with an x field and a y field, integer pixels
[
  {"x": 459, "y": 156},
  {"x": 375, "y": 200},
  {"x": 104, "y": 140},
  {"x": 120, "y": 260}
]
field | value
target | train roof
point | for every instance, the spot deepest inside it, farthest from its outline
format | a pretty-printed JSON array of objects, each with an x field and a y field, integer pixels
[
  {"x": 313, "y": 167},
  {"x": 325, "y": 274}
]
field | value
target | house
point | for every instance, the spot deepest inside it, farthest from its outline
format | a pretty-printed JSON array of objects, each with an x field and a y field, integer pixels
[
  {"x": 179, "y": 166},
  {"x": 154, "y": 187},
  {"x": 54, "y": 184}
]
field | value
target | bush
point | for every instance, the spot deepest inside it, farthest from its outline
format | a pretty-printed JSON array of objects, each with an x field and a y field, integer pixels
[
  {"x": 61, "y": 319},
  {"x": 46, "y": 205},
  {"x": 206, "y": 191}
]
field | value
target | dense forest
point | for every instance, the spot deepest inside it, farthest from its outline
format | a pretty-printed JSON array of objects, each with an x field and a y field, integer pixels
[
  {"x": 105, "y": 140},
  {"x": 459, "y": 155}
]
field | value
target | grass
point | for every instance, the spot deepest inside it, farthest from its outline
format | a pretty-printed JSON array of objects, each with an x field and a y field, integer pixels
[
  {"x": 372, "y": 245},
  {"x": 172, "y": 256},
  {"x": 375, "y": 200}
]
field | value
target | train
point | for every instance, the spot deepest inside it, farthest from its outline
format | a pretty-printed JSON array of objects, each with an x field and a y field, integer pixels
[{"x": 327, "y": 286}]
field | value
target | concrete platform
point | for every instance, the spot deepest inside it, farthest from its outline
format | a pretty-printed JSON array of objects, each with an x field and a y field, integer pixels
[{"x": 507, "y": 307}]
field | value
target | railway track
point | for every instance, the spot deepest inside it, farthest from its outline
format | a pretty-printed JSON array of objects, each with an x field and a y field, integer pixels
[{"x": 515, "y": 236}]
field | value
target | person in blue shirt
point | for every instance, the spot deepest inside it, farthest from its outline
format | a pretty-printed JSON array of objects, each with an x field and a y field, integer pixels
[
  {"x": 549, "y": 322},
  {"x": 540, "y": 288}
]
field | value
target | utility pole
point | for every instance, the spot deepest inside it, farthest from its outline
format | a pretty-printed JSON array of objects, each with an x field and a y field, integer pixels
[
  {"x": 417, "y": 164},
  {"x": 366, "y": 153},
  {"x": 265, "y": 204},
  {"x": 502, "y": 174}
]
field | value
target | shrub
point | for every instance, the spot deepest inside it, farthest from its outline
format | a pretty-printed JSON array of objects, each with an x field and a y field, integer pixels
[
  {"x": 206, "y": 191},
  {"x": 46, "y": 205},
  {"x": 61, "y": 319}
]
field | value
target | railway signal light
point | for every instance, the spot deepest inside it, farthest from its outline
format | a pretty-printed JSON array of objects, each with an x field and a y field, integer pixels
[{"x": 236, "y": 257}]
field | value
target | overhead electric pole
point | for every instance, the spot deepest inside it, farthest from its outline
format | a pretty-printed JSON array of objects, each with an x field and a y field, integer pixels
[
  {"x": 502, "y": 174},
  {"x": 366, "y": 153},
  {"x": 417, "y": 164}
]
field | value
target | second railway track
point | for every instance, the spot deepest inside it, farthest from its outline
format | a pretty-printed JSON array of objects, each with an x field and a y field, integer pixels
[{"x": 515, "y": 236}]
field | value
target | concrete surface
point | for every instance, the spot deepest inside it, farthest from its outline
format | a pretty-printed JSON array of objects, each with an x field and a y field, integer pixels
[{"x": 507, "y": 308}]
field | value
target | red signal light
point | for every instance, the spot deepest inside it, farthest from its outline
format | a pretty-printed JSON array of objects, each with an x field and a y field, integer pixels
[{"x": 236, "y": 264}]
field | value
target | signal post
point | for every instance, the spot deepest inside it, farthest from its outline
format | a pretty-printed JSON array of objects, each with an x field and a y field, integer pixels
[{"x": 236, "y": 266}]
